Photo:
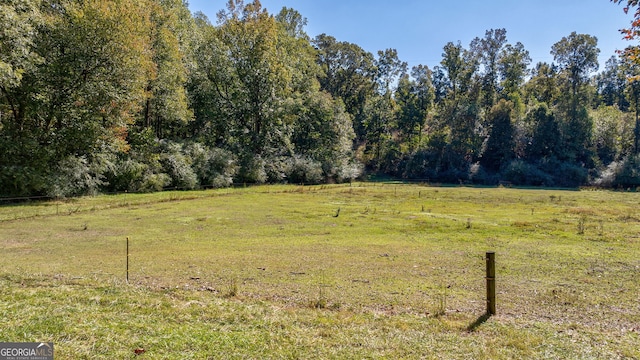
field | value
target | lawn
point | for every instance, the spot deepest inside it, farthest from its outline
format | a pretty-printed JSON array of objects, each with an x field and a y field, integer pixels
[{"x": 363, "y": 270}]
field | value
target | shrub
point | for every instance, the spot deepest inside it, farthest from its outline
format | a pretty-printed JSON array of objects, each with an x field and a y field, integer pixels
[
  {"x": 18, "y": 180},
  {"x": 624, "y": 174},
  {"x": 74, "y": 177},
  {"x": 479, "y": 175},
  {"x": 177, "y": 165},
  {"x": 135, "y": 176},
  {"x": 305, "y": 170},
  {"x": 519, "y": 172},
  {"x": 251, "y": 169},
  {"x": 422, "y": 164},
  {"x": 277, "y": 169},
  {"x": 571, "y": 175},
  {"x": 213, "y": 167},
  {"x": 349, "y": 171}
]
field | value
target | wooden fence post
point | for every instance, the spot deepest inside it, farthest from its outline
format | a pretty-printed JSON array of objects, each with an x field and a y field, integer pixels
[{"x": 491, "y": 283}]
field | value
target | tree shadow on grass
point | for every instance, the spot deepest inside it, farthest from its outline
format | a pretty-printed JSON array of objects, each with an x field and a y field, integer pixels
[{"x": 479, "y": 321}]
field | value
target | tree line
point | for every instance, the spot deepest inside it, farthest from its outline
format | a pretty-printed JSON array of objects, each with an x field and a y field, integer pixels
[{"x": 141, "y": 95}]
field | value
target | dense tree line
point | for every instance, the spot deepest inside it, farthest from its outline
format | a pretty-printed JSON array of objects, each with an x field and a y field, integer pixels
[{"x": 140, "y": 95}]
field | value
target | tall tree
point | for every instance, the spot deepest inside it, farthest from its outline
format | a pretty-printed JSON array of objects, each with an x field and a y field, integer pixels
[
  {"x": 414, "y": 96},
  {"x": 84, "y": 93},
  {"x": 166, "y": 105},
  {"x": 631, "y": 69},
  {"x": 545, "y": 142},
  {"x": 459, "y": 113},
  {"x": 348, "y": 73},
  {"x": 256, "y": 78},
  {"x": 459, "y": 65},
  {"x": 577, "y": 57},
  {"x": 543, "y": 86},
  {"x": 610, "y": 85},
  {"x": 489, "y": 50},
  {"x": 390, "y": 67},
  {"x": 513, "y": 66},
  {"x": 293, "y": 23},
  {"x": 323, "y": 131}
]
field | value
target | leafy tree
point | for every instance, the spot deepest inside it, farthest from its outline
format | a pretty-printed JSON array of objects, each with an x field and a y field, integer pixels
[
  {"x": 545, "y": 142},
  {"x": 488, "y": 51},
  {"x": 459, "y": 113},
  {"x": 389, "y": 69},
  {"x": 253, "y": 78},
  {"x": 459, "y": 65},
  {"x": 415, "y": 98},
  {"x": 611, "y": 84},
  {"x": 577, "y": 58},
  {"x": 499, "y": 146},
  {"x": 348, "y": 73},
  {"x": 513, "y": 67},
  {"x": 380, "y": 115},
  {"x": 613, "y": 133},
  {"x": 19, "y": 21},
  {"x": 166, "y": 105},
  {"x": 85, "y": 92},
  {"x": 324, "y": 132},
  {"x": 543, "y": 86},
  {"x": 293, "y": 23}
]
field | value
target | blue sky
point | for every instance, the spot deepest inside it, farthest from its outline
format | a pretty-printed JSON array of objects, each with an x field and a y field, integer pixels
[{"x": 419, "y": 29}]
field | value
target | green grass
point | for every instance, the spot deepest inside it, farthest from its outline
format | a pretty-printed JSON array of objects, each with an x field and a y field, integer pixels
[{"x": 342, "y": 271}]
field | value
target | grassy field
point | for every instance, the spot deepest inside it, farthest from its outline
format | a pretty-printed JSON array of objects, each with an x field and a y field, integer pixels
[{"x": 342, "y": 271}]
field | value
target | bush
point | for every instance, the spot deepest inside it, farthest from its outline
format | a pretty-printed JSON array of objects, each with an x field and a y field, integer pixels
[
  {"x": 74, "y": 177},
  {"x": 624, "y": 174},
  {"x": 213, "y": 167},
  {"x": 350, "y": 171},
  {"x": 479, "y": 175},
  {"x": 304, "y": 170},
  {"x": 422, "y": 164},
  {"x": 277, "y": 169},
  {"x": 607, "y": 178},
  {"x": 178, "y": 166},
  {"x": 251, "y": 170},
  {"x": 519, "y": 172},
  {"x": 22, "y": 181},
  {"x": 571, "y": 175},
  {"x": 134, "y": 176}
]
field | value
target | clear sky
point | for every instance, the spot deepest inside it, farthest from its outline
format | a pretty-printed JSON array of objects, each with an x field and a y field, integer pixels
[{"x": 419, "y": 29}]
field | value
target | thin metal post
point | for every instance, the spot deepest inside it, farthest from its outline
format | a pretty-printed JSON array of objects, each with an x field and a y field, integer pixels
[
  {"x": 127, "y": 259},
  {"x": 491, "y": 283}
]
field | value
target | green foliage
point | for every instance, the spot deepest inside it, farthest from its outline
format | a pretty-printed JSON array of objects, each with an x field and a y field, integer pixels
[
  {"x": 19, "y": 20},
  {"x": 304, "y": 171},
  {"x": 522, "y": 173},
  {"x": 252, "y": 169},
  {"x": 75, "y": 176},
  {"x": 545, "y": 141},
  {"x": 134, "y": 176},
  {"x": 124, "y": 95},
  {"x": 499, "y": 147},
  {"x": 348, "y": 73},
  {"x": 166, "y": 107},
  {"x": 214, "y": 167},
  {"x": 624, "y": 174}
]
